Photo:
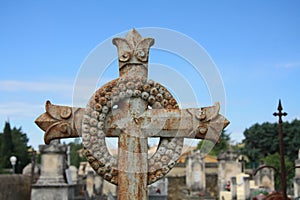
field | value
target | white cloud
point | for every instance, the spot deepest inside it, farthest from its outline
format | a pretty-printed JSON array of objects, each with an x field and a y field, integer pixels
[
  {"x": 20, "y": 109},
  {"x": 78, "y": 91},
  {"x": 12, "y": 85},
  {"x": 289, "y": 65}
]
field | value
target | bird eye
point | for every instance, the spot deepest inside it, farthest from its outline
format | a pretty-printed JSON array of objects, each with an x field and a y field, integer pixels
[
  {"x": 141, "y": 55},
  {"x": 65, "y": 113},
  {"x": 202, "y": 130},
  {"x": 124, "y": 56},
  {"x": 200, "y": 115}
]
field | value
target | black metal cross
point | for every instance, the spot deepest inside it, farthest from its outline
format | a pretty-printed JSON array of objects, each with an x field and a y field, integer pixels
[
  {"x": 282, "y": 172},
  {"x": 280, "y": 114}
]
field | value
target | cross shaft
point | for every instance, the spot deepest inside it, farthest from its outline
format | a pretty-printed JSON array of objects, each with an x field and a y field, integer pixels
[{"x": 132, "y": 143}]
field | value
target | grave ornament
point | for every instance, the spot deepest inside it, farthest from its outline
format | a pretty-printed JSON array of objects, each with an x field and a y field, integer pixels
[{"x": 132, "y": 108}]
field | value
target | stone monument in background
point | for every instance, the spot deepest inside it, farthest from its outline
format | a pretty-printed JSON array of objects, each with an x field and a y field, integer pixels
[
  {"x": 195, "y": 172},
  {"x": 297, "y": 177},
  {"x": 264, "y": 178},
  {"x": 52, "y": 183},
  {"x": 228, "y": 167},
  {"x": 243, "y": 186}
]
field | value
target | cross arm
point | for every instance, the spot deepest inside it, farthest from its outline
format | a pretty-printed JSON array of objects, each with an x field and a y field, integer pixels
[
  {"x": 202, "y": 123},
  {"x": 198, "y": 123},
  {"x": 60, "y": 122}
]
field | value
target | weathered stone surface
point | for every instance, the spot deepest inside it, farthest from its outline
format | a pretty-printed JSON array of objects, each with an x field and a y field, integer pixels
[
  {"x": 265, "y": 178},
  {"x": 74, "y": 174},
  {"x": 228, "y": 168},
  {"x": 177, "y": 189},
  {"x": 52, "y": 183},
  {"x": 195, "y": 172},
  {"x": 27, "y": 170},
  {"x": 143, "y": 108},
  {"x": 211, "y": 180},
  {"x": 297, "y": 177},
  {"x": 243, "y": 186},
  {"x": 50, "y": 193},
  {"x": 16, "y": 187},
  {"x": 53, "y": 164}
]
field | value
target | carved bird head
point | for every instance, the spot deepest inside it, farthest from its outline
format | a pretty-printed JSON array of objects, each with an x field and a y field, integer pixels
[{"x": 133, "y": 51}]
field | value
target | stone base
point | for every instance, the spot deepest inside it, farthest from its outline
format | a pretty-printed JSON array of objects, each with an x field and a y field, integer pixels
[
  {"x": 52, "y": 192},
  {"x": 151, "y": 197},
  {"x": 54, "y": 180}
]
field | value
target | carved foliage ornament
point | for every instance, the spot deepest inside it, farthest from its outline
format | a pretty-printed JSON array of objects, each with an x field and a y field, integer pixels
[{"x": 133, "y": 49}]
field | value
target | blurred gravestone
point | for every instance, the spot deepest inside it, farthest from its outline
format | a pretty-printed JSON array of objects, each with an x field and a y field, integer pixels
[
  {"x": 297, "y": 177},
  {"x": 243, "y": 186},
  {"x": 195, "y": 172},
  {"x": 52, "y": 183},
  {"x": 264, "y": 178},
  {"x": 228, "y": 167}
]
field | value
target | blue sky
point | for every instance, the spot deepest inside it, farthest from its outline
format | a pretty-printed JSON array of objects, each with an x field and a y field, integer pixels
[{"x": 254, "y": 44}]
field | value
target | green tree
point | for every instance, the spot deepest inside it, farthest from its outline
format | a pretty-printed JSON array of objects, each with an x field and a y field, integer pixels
[
  {"x": 75, "y": 157},
  {"x": 7, "y": 146},
  {"x": 213, "y": 149},
  {"x": 262, "y": 145},
  {"x": 262, "y": 140},
  {"x": 13, "y": 142},
  {"x": 20, "y": 141}
]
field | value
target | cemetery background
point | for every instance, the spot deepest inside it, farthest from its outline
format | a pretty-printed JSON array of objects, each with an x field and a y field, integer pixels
[
  {"x": 271, "y": 53},
  {"x": 180, "y": 182}
]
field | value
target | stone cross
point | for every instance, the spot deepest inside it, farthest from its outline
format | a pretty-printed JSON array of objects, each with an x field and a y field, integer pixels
[{"x": 132, "y": 108}]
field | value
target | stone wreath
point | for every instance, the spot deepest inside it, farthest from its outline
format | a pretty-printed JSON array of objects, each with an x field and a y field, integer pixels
[{"x": 102, "y": 103}]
